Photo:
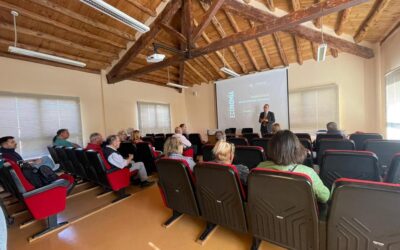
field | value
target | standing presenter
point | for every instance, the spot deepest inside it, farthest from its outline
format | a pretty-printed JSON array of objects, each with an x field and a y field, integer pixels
[{"x": 267, "y": 118}]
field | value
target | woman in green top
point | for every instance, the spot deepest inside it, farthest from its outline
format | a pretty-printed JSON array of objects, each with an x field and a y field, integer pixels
[{"x": 287, "y": 154}]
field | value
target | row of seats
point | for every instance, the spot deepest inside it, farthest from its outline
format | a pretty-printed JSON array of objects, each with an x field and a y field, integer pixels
[
  {"x": 280, "y": 207},
  {"x": 89, "y": 165}
]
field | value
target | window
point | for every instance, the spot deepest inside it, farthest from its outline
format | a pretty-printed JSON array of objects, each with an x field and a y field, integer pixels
[
  {"x": 154, "y": 118},
  {"x": 312, "y": 108},
  {"x": 34, "y": 120},
  {"x": 393, "y": 104}
]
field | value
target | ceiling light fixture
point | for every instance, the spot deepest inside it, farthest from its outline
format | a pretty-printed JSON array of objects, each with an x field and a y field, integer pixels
[
  {"x": 20, "y": 51},
  {"x": 323, "y": 47},
  {"x": 227, "y": 70},
  {"x": 116, "y": 14}
]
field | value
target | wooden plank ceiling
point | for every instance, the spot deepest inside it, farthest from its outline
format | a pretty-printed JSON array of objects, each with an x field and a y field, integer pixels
[{"x": 73, "y": 30}]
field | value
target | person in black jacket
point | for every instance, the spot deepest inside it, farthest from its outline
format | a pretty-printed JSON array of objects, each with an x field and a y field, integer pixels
[{"x": 266, "y": 119}]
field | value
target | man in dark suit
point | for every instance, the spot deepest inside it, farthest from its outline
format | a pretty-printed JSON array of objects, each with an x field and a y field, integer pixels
[{"x": 267, "y": 118}]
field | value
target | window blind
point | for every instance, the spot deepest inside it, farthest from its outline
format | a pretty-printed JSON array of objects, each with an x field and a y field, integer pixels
[
  {"x": 154, "y": 118},
  {"x": 393, "y": 104},
  {"x": 34, "y": 120},
  {"x": 311, "y": 109}
]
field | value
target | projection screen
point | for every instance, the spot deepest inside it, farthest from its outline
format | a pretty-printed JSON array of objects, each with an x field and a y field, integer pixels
[{"x": 240, "y": 100}]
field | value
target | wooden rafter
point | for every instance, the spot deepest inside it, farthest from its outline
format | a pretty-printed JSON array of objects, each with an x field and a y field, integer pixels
[
  {"x": 173, "y": 32},
  {"x": 252, "y": 13},
  {"x": 214, "y": 66},
  {"x": 263, "y": 48},
  {"x": 279, "y": 46},
  {"x": 295, "y": 4},
  {"x": 64, "y": 42},
  {"x": 390, "y": 32},
  {"x": 374, "y": 14},
  {"x": 270, "y": 4},
  {"x": 194, "y": 70},
  {"x": 341, "y": 20},
  {"x": 221, "y": 32},
  {"x": 334, "y": 52},
  {"x": 204, "y": 68},
  {"x": 31, "y": 15},
  {"x": 246, "y": 46},
  {"x": 143, "y": 8},
  {"x": 314, "y": 48},
  {"x": 81, "y": 18},
  {"x": 187, "y": 28},
  {"x": 287, "y": 22},
  {"x": 164, "y": 17},
  {"x": 212, "y": 10},
  {"x": 297, "y": 42},
  {"x": 318, "y": 21}
]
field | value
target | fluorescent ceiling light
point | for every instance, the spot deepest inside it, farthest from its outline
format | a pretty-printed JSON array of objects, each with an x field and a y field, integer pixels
[
  {"x": 322, "y": 48},
  {"x": 116, "y": 14},
  {"x": 43, "y": 56},
  {"x": 171, "y": 84},
  {"x": 229, "y": 72}
]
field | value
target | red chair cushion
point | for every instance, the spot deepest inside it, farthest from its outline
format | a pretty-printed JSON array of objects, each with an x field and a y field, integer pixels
[
  {"x": 188, "y": 152},
  {"x": 67, "y": 177},
  {"x": 25, "y": 183},
  {"x": 47, "y": 203},
  {"x": 119, "y": 179}
]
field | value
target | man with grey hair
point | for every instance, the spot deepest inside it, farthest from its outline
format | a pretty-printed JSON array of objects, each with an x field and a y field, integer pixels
[
  {"x": 178, "y": 134},
  {"x": 332, "y": 129},
  {"x": 115, "y": 159}
]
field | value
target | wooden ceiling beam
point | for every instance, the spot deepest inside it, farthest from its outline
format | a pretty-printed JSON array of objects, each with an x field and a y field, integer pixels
[
  {"x": 369, "y": 21},
  {"x": 204, "y": 68},
  {"x": 207, "y": 17},
  {"x": 36, "y": 17},
  {"x": 297, "y": 42},
  {"x": 214, "y": 66},
  {"x": 295, "y": 5},
  {"x": 97, "y": 64},
  {"x": 270, "y": 4},
  {"x": 318, "y": 21},
  {"x": 314, "y": 48},
  {"x": 341, "y": 20},
  {"x": 194, "y": 70},
  {"x": 164, "y": 17},
  {"x": 281, "y": 51},
  {"x": 66, "y": 43},
  {"x": 334, "y": 53},
  {"x": 143, "y": 8},
  {"x": 236, "y": 28},
  {"x": 173, "y": 32},
  {"x": 263, "y": 48},
  {"x": 221, "y": 32},
  {"x": 187, "y": 27},
  {"x": 54, "y": 7},
  {"x": 252, "y": 13},
  {"x": 289, "y": 21}
]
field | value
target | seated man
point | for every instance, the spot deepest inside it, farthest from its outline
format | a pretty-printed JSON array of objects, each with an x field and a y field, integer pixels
[
  {"x": 178, "y": 134},
  {"x": 115, "y": 159},
  {"x": 61, "y": 139},
  {"x": 332, "y": 129},
  {"x": 8, "y": 146}
]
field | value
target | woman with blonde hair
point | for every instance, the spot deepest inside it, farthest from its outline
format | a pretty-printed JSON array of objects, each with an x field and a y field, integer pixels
[
  {"x": 224, "y": 152},
  {"x": 123, "y": 136},
  {"x": 135, "y": 137},
  {"x": 173, "y": 149},
  {"x": 275, "y": 128}
]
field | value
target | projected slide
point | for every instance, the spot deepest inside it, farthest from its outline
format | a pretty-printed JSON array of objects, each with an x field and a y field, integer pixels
[{"x": 240, "y": 100}]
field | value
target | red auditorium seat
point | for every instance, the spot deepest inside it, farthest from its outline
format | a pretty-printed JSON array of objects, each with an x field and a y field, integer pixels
[
  {"x": 325, "y": 136},
  {"x": 338, "y": 144},
  {"x": 238, "y": 141},
  {"x": 303, "y": 136},
  {"x": 336, "y": 164},
  {"x": 393, "y": 175},
  {"x": 44, "y": 202},
  {"x": 384, "y": 149},
  {"x": 176, "y": 183},
  {"x": 112, "y": 178},
  {"x": 364, "y": 215},
  {"x": 250, "y": 156},
  {"x": 282, "y": 209},
  {"x": 207, "y": 152},
  {"x": 220, "y": 192},
  {"x": 250, "y": 136},
  {"x": 145, "y": 154},
  {"x": 360, "y": 138}
]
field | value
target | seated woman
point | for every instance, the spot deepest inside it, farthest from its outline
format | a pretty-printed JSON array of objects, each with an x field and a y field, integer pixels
[
  {"x": 136, "y": 138},
  {"x": 275, "y": 128},
  {"x": 123, "y": 136},
  {"x": 287, "y": 154},
  {"x": 173, "y": 148},
  {"x": 220, "y": 136},
  {"x": 223, "y": 153}
]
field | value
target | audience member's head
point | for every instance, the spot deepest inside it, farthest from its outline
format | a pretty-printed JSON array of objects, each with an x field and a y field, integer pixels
[
  {"x": 224, "y": 152},
  {"x": 129, "y": 131},
  {"x": 266, "y": 108},
  {"x": 96, "y": 138},
  {"x": 178, "y": 130},
  {"x": 275, "y": 128},
  {"x": 173, "y": 145},
  {"x": 331, "y": 126},
  {"x": 62, "y": 134},
  {"x": 8, "y": 142},
  {"x": 135, "y": 136},
  {"x": 184, "y": 128},
  {"x": 113, "y": 141},
  {"x": 220, "y": 136},
  {"x": 123, "y": 136},
  {"x": 285, "y": 149}
]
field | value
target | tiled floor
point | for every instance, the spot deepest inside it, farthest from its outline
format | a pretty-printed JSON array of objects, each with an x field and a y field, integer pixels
[{"x": 134, "y": 223}]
